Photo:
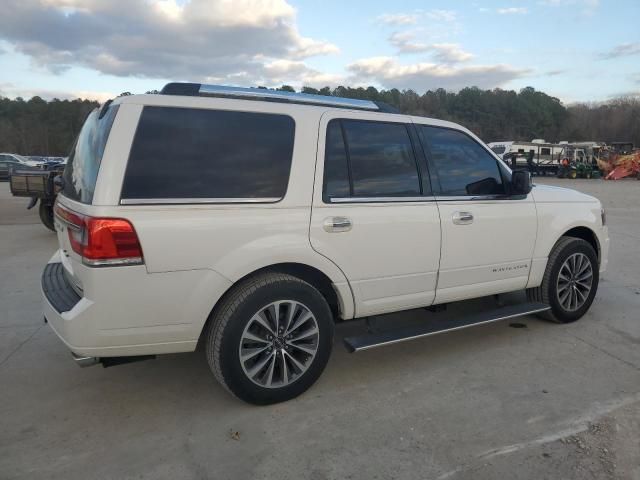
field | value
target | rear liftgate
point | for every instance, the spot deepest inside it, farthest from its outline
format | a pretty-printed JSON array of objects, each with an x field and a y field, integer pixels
[{"x": 372, "y": 340}]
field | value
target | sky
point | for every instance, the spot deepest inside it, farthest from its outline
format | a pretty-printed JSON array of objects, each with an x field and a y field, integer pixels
[{"x": 576, "y": 50}]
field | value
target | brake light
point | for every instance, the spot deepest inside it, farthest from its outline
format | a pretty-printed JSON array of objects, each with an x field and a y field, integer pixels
[{"x": 101, "y": 241}]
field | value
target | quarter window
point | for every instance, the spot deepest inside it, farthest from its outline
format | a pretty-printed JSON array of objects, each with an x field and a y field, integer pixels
[
  {"x": 369, "y": 159},
  {"x": 182, "y": 153},
  {"x": 463, "y": 167}
]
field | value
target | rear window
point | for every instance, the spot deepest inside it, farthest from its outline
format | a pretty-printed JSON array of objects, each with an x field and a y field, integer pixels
[
  {"x": 184, "y": 153},
  {"x": 81, "y": 171}
]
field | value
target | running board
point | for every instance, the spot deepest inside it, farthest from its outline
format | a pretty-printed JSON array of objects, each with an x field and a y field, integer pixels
[{"x": 372, "y": 340}]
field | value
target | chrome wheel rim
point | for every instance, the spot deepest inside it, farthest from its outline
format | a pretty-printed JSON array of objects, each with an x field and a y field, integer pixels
[
  {"x": 575, "y": 280},
  {"x": 279, "y": 344}
]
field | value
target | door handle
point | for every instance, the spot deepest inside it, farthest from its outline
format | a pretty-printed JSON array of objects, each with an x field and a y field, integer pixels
[
  {"x": 462, "y": 218},
  {"x": 337, "y": 224}
]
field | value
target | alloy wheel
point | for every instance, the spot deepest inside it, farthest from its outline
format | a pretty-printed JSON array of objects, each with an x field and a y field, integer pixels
[
  {"x": 279, "y": 344},
  {"x": 575, "y": 280}
]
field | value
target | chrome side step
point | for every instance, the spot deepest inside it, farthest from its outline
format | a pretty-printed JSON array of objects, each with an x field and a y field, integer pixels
[{"x": 372, "y": 340}]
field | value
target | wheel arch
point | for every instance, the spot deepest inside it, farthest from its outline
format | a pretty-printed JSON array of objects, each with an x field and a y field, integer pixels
[
  {"x": 341, "y": 307},
  {"x": 586, "y": 234}
]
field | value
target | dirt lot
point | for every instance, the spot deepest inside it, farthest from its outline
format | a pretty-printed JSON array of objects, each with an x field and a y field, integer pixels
[{"x": 545, "y": 401}]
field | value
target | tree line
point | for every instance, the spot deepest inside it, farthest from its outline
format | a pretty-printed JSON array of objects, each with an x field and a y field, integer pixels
[{"x": 39, "y": 127}]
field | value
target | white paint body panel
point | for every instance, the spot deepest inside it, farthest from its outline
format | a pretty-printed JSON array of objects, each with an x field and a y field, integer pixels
[
  {"x": 490, "y": 255},
  {"x": 395, "y": 257},
  {"x": 559, "y": 210},
  {"x": 374, "y": 254}
]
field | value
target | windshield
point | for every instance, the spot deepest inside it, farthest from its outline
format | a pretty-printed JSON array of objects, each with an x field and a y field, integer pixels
[{"x": 81, "y": 171}]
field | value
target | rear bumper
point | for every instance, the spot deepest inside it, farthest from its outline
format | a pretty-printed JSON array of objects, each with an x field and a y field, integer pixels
[
  {"x": 57, "y": 289},
  {"x": 125, "y": 311}
]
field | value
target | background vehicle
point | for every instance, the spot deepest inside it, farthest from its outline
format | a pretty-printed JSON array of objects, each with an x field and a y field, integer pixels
[
  {"x": 578, "y": 163},
  {"x": 290, "y": 212},
  {"x": 37, "y": 183},
  {"x": 47, "y": 162},
  {"x": 13, "y": 160}
]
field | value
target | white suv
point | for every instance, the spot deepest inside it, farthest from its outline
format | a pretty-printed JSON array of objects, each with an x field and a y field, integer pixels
[{"x": 251, "y": 221}]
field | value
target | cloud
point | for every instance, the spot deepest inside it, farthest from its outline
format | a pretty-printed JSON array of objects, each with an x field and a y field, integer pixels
[
  {"x": 450, "y": 53},
  {"x": 388, "y": 72},
  {"x": 398, "y": 18},
  {"x": 435, "y": 15},
  {"x": 513, "y": 11},
  {"x": 622, "y": 50},
  {"x": 281, "y": 71},
  {"x": 588, "y": 7},
  {"x": 553, "y": 73},
  {"x": 197, "y": 39},
  {"x": 405, "y": 42},
  {"x": 441, "y": 15}
]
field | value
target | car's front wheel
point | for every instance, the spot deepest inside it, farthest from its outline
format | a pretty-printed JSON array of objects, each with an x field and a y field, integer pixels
[
  {"x": 270, "y": 338},
  {"x": 570, "y": 280}
]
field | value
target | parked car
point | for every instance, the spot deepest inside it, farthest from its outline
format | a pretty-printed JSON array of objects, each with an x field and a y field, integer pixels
[
  {"x": 45, "y": 162},
  {"x": 250, "y": 221},
  {"x": 13, "y": 160}
]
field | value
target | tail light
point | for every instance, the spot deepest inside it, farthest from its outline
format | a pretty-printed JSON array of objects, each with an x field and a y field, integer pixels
[{"x": 101, "y": 241}]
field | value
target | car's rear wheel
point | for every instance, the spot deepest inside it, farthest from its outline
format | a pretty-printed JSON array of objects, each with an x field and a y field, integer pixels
[
  {"x": 570, "y": 280},
  {"x": 270, "y": 339}
]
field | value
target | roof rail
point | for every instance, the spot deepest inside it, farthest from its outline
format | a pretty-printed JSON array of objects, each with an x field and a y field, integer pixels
[{"x": 198, "y": 89}]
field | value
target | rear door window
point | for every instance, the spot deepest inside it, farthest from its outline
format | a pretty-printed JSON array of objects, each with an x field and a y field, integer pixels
[
  {"x": 81, "y": 171},
  {"x": 187, "y": 153},
  {"x": 369, "y": 159},
  {"x": 462, "y": 166}
]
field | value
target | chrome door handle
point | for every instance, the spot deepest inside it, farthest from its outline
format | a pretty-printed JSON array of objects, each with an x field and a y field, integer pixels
[
  {"x": 337, "y": 224},
  {"x": 462, "y": 218}
]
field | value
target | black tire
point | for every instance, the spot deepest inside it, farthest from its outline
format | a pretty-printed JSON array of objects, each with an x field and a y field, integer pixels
[
  {"x": 227, "y": 327},
  {"x": 548, "y": 291},
  {"x": 46, "y": 215}
]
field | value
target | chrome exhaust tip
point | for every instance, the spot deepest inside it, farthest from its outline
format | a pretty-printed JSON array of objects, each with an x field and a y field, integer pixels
[{"x": 85, "y": 361}]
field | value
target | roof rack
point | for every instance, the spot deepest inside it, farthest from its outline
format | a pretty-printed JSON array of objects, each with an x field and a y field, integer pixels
[{"x": 263, "y": 94}]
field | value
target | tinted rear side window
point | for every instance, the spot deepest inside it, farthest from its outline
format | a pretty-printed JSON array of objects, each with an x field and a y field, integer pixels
[
  {"x": 369, "y": 159},
  {"x": 463, "y": 167},
  {"x": 381, "y": 159},
  {"x": 182, "y": 153},
  {"x": 81, "y": 171}
]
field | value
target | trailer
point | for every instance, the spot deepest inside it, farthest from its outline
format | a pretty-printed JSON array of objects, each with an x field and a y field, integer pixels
[
  {"x": 39, "y": 185},
  {"x": 538, "y": 156}
]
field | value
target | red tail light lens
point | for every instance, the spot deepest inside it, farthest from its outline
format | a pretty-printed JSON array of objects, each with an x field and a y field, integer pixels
[{"x": 101, "y": 241}]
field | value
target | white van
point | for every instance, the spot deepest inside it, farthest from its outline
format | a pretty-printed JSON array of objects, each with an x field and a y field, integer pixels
[{"x": 251, "y": 221}]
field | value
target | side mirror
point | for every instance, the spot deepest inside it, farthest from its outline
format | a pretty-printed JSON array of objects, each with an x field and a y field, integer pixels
[{"x": 521, "y": 182}]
